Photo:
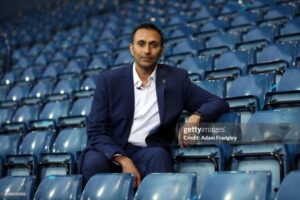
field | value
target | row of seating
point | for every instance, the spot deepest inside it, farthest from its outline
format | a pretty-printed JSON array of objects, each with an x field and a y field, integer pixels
[{"x": 245, "y": 185}]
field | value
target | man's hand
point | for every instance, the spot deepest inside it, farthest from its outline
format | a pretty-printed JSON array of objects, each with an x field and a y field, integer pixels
[
  {"x": 129, "y": 167},
  {"x": 193, "y": 120}
]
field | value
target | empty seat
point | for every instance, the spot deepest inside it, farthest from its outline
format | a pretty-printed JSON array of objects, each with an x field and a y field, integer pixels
[
  {"x": 109, "y": 186},
  {"x": 217, "y": 87},
  {"x": 289, "y": 187},
  {"x": 9, "y": 143},
  {"x": 42, "y": 88},
  {"x": 123, "y": 57},
  {"x": 277, "y": 57},
  {"x": 32, "y": 73},
  {"x": 7, "y": 109},
  {"x": 60, "y": 187},
  {"x": 67, "y": 86},
  {"x": 221, "y": 40},
  {"x": 89, "y": 83},
  {"x": 237, "y": 185},
  {"x": 99, "y": 61},
  {"x": 82, "y": 104},
  {"x": 28, "y": 110},
  {"x": 20, "y": 187},
  {"x": 231, "y": 65},
  {"x": 55, "y": 107},
  {"x": 71, "y": 140},
  {"x": 54, "y": 68},
  {"x": 26, "y": 162},
  {"x": 159, "y": 185},
  {"x": 287, "y": 94},
  {"x": 247, "y": 93},
  {"x": 19, "y": 91},
  {"x": 76, "y": 65}
]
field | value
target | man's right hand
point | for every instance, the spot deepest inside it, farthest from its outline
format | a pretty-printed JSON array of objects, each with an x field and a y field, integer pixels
[{"x": 129, "y": 167}]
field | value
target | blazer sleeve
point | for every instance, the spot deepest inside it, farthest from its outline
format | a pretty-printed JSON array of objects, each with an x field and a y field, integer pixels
[
  {"x": 99, "y": 128},
  {"x": 199, "y": 100}
]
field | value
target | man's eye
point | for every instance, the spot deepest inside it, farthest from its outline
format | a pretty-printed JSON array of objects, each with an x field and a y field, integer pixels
[
  {"x": 141, "y": 44},
  {"x": 154, "y": 45}
]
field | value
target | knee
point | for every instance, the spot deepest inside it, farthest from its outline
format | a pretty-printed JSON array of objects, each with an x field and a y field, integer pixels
[
  {"x": 160, "y": 153},
  {"x": 94, "y": 162}
]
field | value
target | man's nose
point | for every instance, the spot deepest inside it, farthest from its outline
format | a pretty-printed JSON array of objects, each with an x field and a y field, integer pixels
[{"x": 147, "y": 49}]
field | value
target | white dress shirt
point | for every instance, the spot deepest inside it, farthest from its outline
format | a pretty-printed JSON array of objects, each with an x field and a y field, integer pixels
[{"x": 146, "y": 113}]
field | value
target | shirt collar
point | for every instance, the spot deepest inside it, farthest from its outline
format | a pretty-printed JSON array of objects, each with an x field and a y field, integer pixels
[{"x": 136, "y": 79}]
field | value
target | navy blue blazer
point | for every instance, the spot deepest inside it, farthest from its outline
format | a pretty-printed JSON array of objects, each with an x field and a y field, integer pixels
[{"x": 112, "y": 109}]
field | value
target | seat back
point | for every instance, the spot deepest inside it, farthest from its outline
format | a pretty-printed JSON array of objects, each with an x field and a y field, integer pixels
[
  {"x": 60, "y": 187},
  {"x": 109, "y": 186},
  {"x": 17, "y": 187},
  {"x": 160, "y": 185},
  {"x": 237, "y": 185},
  {"x": 289, "y": 189}
]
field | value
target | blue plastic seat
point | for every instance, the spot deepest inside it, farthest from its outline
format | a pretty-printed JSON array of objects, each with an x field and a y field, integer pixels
[
  {"x": 28, "y": 111},
  {"x": 288, "y": 189},
  {"x": 19, "y": 91},
  {"x": 32, "y": 73},
  {"x": 284, "y": 10},
  {"x": 237, "y": 185},
  {"x": 9, "y": 143},
  {"x": 6, "y": 111},
  {"x": 187, "y": 46},
  {"x": 59, "y": 187},
  {"x": 231, "y": 65},
  {"x": 71, "y": 140},
  {"x": 216, "y": 87},
  {"x": 81, "y": 106},
  {"x": 245, "y": 88},
  {"x": 57, "y": 106},
  {"x": 67, "y": 86},
  {"x": 277, "y": 58},
  {"x": 11, "y": 77},
  {"x": 288, "y": 91},
  {"x": 226, "y": 39},
  {"x": 195, "y": 67},
  {"x": 76, "y": 65},
  {"x": 123, "y": 57},
  {"x": 89, "y": 83},
  {"x": 22, "y": 187},
  {"x": 53, "y": 69},
  {"x": 26, "y": 162},
  {"x": 42, "y": 88},
  {"x": 159, "y": 185},
  {"x": 109, "y": 186},
  {"x": 291, "y": 27},
  {"x": 99, "y": 62}
]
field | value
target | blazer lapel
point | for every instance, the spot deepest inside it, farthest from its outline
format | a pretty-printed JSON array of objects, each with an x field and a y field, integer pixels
[
  {"x": 160, "y": 90},
  {"x": 128, "y": 91}
]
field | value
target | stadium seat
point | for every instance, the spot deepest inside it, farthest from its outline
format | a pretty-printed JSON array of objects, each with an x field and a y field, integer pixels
[
  {"x": 109, "y": 186},
  {"x": 159, "y": 185},
  {"x": 3, "y": 91},
  {"x": 19, "y": 187},
  {"x": 56, "y": 106},
  {"x": 28, "y": 110},
  {"x": 231, "y": 65},
  {"x": 247, "y": 93},
  {"x": 59, "y": 187},
  {"x": 26, "y": 162},
  {"x": 99, "y": 61},
  {"x": 237, "y": 185},
  {"x": 7, "y": 109},
  {"x": 277, "y": 57},
  {"x": 42, "y": 87},
  {"x": 216, "y": 87},
  {"x": 53, "y": 69},
  {"x": 288, "y": 189},
  {"x": 89, "y": 83},
  {"x": 67, "y": 85},
  {"x": 71, "y": 140},
  {"x": 82, "y": 103},
  {"x": 19, "y": 91},
  {"x": 32, "y": 72},
  {"x": 9, "y": 143},
  {"x": 287, "y": 94}
]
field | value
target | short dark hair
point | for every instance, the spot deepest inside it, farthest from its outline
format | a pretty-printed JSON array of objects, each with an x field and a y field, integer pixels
[{"x": 148, "y": 26}]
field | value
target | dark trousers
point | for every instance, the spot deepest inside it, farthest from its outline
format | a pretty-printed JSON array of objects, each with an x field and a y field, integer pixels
[{"x": 146, "y": 159}]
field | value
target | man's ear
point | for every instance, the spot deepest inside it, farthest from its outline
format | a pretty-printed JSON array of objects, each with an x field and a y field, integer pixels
[{"x": 131, "y": 48}]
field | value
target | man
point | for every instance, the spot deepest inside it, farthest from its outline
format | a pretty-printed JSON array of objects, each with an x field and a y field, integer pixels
[{"x": 136, "y": 108}]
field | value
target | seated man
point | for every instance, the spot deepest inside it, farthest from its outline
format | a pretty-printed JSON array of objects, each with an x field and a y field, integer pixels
[{"x": 135, "y": 110}]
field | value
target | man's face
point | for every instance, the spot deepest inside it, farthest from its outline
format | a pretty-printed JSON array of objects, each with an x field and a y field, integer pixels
[{"x": 146, "y": 48}]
